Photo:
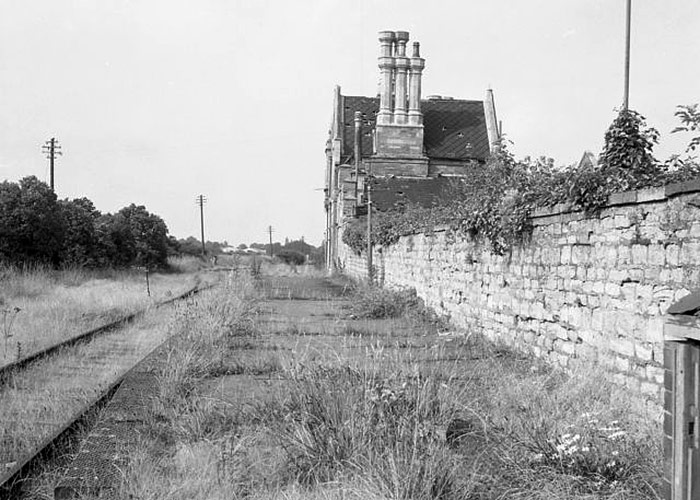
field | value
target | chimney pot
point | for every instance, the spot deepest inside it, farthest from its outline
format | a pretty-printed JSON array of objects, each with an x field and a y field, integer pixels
[
  {"x": 416, "y": 49},
  {"x": 415, "y": 117}
]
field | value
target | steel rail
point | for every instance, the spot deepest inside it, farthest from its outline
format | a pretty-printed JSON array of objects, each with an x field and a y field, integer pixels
[
  {"x": 10, "y": 479},
  {"x": 10, "y": 368}
]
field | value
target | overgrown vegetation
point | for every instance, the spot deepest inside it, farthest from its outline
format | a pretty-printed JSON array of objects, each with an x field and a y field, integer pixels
[
  {"x": 374, "y": 418},
  {"x": 371, "y": 302},
  {"x": 37, "y": 228},
  {"x": 495, "y": 201},
  {"x": 41, "y": 306}
]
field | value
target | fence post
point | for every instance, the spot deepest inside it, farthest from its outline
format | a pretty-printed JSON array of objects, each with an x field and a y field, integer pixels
[{"x": 682, "y": 400}]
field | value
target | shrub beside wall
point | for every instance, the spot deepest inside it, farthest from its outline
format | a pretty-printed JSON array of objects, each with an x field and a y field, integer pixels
[{"x": 584, "y": 287}]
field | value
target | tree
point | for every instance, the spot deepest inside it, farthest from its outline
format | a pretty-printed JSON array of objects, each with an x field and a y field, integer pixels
[
  {"x": 144, "y": 236},
  {"x": 627, "y": 156},
  {"x": 690, "y": 120},
  {"x": 10, "y": 199},
  {"x": 80, "y": 243},
  {"x": 30, "y": 223},
  {"x": 132, "y": 237}
]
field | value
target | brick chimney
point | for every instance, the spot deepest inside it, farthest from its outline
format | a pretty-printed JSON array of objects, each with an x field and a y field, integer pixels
[{"x": 399, "y": 130}]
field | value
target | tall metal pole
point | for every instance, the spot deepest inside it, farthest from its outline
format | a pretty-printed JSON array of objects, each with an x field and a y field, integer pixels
[
  {"x": 269, "y": 229},
  {"x": 358, "y": 150},
  {"x": 370, "y": 278},
  {"x": 626, "y": 98}
]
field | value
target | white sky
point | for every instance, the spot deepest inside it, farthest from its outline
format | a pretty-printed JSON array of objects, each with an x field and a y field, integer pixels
[{"x": 157, "y": 101}]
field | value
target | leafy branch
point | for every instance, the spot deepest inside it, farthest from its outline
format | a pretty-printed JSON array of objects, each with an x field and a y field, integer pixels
[{"x": 497, "y": 198}]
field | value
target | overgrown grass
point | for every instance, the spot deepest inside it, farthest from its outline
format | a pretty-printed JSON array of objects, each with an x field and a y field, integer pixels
[
  {"x": 37, "y": 402},
  {"x": 381, "y": 303},
  {"x": 186, "y": 264},
  {"x": 458, "y": 419},
  {"x": 57, "y": 304}
]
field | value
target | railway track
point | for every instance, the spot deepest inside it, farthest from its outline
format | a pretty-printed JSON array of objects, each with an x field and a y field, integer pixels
[{"x": 44, "y": 397}]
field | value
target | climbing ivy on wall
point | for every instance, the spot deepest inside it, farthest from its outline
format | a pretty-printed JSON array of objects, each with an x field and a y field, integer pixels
[{"x": 495, "y": 201}]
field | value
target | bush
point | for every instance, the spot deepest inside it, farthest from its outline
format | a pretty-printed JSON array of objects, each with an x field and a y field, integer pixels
[
  {"x": 495, "y": 201},
  {"x": 381, "y": 303},
  {"x": 291, "y": 257}
]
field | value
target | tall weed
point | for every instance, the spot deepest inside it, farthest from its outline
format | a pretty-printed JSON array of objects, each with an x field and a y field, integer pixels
[
  {"x": 373, "y": 302},
  {"x": 363, "y": 423}
]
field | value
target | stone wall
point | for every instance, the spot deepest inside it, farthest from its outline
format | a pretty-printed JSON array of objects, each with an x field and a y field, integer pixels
[{"x": 584, "y": 288}]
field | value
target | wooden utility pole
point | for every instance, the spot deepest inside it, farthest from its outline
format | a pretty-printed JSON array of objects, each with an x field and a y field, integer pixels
[
  {"x": 51, "y": 149},
  {"x": 269, "y": 230},
  {"x": 626, "y": 97},
  {"x": 201, "y": 200}
]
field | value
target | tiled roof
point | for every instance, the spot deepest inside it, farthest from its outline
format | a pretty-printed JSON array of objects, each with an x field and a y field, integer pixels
[
  {"x": 454, "y": 129},
  {"x": 369, "y": 106},
  {"x": 388, "y": 192}
]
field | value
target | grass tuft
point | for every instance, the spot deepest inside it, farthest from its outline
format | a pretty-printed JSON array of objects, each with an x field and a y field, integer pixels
[{"x": 384, "y": 303}]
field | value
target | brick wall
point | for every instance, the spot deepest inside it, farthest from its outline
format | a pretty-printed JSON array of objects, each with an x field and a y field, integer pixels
[{"x": 591, "y": 288}]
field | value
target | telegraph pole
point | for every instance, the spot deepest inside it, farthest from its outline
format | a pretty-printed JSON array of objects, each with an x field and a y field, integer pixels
[
  {"x": 51, "y": 149},
  {"x": 201, "y": 200},
  {"x": 626, "y": 98},
  {"x": 269, "y": 230}
]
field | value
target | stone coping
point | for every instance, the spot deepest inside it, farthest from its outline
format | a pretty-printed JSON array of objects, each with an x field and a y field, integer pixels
[
  {"x": 616, "y": 199},
  {"x": 626, "y": 198}
]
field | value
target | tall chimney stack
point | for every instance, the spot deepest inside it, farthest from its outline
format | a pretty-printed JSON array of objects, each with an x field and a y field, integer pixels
[
  {"x": 398, "y": 136},
  {"x": 386, "y": 68},
  {"x": 417, "y": 63},
  {"x": 401, "y": 63}
]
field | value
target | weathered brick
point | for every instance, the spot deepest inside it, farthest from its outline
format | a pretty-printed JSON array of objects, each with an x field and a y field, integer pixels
[
  {"x": 657, "y": 255},
  {"x": 621, "y": 221},
  {"x": 622, "y": 364},
  {"x": 622, "y": 346},
  {"x": 651, "y": 274},
  {"x": 618, "y": 275},
  {"x": 678, "y": 275},
  {"x": 689, "y": 253},
  {"x": 680, "y": 294},
  {"x": 650, "y": 389},
  {"x": 639, "y": 254},
  {"x": 565, "y": 254},
  {"x": 655, "y": 374},
  {"x": 672, "y": 255},
  {"x": 654, "y": 330},
  {"x": 625, "y": 325},
  {"x": 629, "y": 292},
  {"x": 643, "y": 353},
  {"x": 612, "y": 289},
  {"x": 624, "y": 255}
]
